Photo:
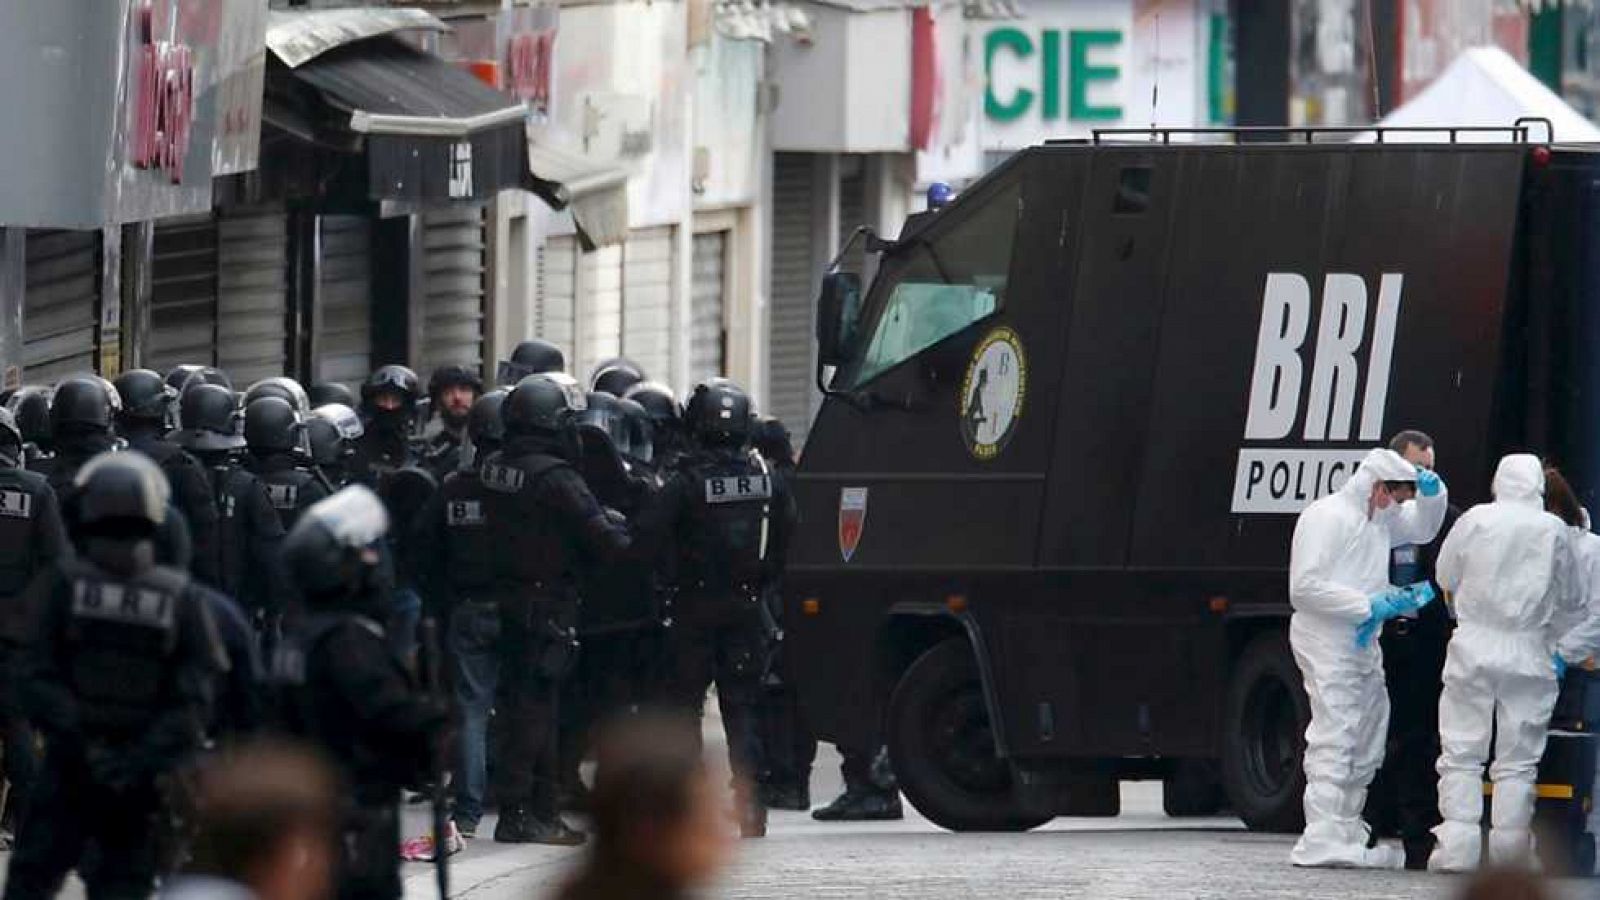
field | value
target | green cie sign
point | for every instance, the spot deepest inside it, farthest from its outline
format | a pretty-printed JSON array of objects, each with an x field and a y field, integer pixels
[{"x": 1081, "y": 74}]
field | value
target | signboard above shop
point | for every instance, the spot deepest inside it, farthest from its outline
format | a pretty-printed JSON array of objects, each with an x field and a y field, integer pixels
[
  {"x": 124, "y": 110},
  {"x": 1070, "y": 66}
]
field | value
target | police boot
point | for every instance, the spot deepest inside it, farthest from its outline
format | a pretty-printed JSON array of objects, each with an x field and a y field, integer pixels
[
  {"x": 796, "y": 797},
  {"x": 862, "y": 806},
  {"x": 520, "y": 826}
]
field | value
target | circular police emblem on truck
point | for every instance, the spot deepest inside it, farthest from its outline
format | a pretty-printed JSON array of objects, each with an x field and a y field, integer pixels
[{"x": 992, "y": 393}]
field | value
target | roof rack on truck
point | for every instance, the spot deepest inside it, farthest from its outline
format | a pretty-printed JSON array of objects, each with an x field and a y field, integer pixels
[{"x": 1520, "y": 132}]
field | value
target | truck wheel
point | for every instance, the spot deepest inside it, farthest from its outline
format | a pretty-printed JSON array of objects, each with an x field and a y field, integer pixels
[
  {"x": 942, "y": 749},
  {"x": 1192, "y": 790},
  {"x": 1263, "y": 738}
]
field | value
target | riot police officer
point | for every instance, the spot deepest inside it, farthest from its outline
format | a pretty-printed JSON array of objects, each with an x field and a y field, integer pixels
[
  {"x": 82, "y": 414},
  {"x": 249, "y": 531},
  {"x": 546, "y": 522},
  {"x": 455, "y": 543},
  {"x": 387, "y": 460},
  {"x": 389, "y": 409},
  {"x": 119, "y": 682},
  {"x": 146, "y": 417},
  {"x": 30, "y": 407},
  {"x": 452, "y": 391},
  {"x": 286, "y": 389},
  {"x": 666, "y": 425},
  {"x": 535, "y": 356},
  {"x": 346, "y": 690},
  {"x": 278, "y": 457},
  {"x": 727, "y": 515},
  {"x": 332, "y": 432},
  {"x": 788, "y": 747},
  {"x": 32, "y": 541}
]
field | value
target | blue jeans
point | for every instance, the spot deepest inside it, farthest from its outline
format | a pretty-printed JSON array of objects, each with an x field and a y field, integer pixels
[
  {"x": 405, "y": 614},
  {"x": 474, "y": 644}
]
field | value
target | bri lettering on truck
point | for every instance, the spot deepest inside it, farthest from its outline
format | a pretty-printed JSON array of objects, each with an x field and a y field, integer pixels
[{"x": 1292, "y": 470}]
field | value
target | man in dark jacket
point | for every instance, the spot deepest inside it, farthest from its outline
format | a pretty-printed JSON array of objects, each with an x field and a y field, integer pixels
[{"x": 147, "y": 416}]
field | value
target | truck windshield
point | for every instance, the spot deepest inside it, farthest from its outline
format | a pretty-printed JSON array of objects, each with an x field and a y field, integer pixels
[{"x": 941, "y": 282}]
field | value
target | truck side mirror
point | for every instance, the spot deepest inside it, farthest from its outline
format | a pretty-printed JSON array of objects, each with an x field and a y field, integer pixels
[{"x": 837, "y": 308}]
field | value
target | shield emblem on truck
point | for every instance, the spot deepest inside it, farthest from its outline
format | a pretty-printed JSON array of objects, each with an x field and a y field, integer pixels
[{"x": 852, "y": 519}]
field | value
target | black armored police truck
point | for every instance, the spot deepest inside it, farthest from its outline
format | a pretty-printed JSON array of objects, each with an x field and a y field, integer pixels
[{"x": 1047, "y": 500}]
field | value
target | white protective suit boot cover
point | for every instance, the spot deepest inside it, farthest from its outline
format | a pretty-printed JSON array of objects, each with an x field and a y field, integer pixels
[{"x": 1344, "y": 747}]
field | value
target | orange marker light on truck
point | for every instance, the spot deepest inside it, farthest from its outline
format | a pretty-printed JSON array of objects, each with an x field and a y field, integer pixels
[
  {"x": 1218, "y": 605},
  {"x": 956, "y": 603},
  {"x": 810, "y": 606}
]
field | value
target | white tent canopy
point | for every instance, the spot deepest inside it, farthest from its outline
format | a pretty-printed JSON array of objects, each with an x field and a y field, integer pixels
[{"x": 1485, "y": 86}]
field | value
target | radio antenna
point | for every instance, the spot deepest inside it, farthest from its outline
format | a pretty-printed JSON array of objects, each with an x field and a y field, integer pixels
[
  {"x": 1372, "y": 65},
  {"x": 1155, "y": 78}
]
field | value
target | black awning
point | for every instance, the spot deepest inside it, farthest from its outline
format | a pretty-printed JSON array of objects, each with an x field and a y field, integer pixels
[{"x": 430, "y": 131}]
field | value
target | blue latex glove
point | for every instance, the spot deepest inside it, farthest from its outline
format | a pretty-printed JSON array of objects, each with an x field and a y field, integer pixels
[
  {"x": 1428, "y": 482},
  {"x": 1561, "y": 665},
  {"x": 1393, "y": 603}
]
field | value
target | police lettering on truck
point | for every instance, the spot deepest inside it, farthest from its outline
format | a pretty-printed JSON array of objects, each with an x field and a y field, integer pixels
[{"x": 1286, "y": 477}]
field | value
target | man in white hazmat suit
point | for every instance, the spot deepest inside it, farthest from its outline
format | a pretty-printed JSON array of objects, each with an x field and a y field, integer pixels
[
  {"x": 1509, "y": 571},
  {"x": 1339, "y": 588}
]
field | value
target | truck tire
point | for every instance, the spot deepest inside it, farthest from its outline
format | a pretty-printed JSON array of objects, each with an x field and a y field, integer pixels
[
  {"x": 1263, "y": 738},
  {"x": 941, "y": 746},
  {"x": 1192, "y": 790}
]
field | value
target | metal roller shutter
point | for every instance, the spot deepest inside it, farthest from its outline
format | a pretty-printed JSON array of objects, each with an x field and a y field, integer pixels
[
  {"x": 789, "y": 355},
  {"x": 253, "y": 288},
  {"x": 647, "y": 300},
  {"x": 599, "y": 309},
  {"x": 453, "y": 292},
  {"x": 60, "y": 304},
  {"x": 343, "y": 338},
  {"x": 557, "y": 275},
  {"x": 707, "y": 341},
  {"x": 183, "y": 293}
]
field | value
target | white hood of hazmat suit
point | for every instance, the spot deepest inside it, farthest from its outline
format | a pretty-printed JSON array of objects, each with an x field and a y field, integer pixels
[
  {"x": 1509, "y": 570},
  {"x": 1338, "y": 561}
]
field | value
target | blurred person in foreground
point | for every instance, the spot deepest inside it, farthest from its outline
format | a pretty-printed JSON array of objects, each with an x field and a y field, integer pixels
[
  {"x": 266, "y": 824},
  {"x": 1503, "y": 884},
  {"x": 660, "y": 828}
]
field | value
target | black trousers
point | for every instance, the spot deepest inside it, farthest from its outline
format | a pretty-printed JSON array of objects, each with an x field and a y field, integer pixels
[
  {"x": 866, "y": 770},
  {"x": 78, "y": 817},
  {"x": 725, "y": 646},
  {"x": 1404, "y": 798},
  {"x": 533, "y": 666},
  {"x": 787, "y": 744},
  {"x": 21, "y": 760}
]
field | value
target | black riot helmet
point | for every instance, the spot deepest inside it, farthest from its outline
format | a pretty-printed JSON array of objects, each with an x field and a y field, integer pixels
[
  {"x": 83, "y": 403},
  {"x": 615, "y": 376},
  {"x": 286, "y": 389},
  {"x": 332, "y": 432},
  {"x": 399, "y": 382},
  {"x": 332, "y": 551},
  {"x": 531, "y": 357},
  {"x": 602, "y": 414},
  {"x": 639, "y": 445},
  {"x": 209, "y": 417},
  {"x": 271, "y": 425},
  {"x": 718, "y": 414},
  {"x": 657, "y": 400},
  {"x": 485, "y": 429},
  {"x": 146, "y": 397},
  {"x": 123, "y": 494},
  {"x": 773, "y": 441},
  {"x": 178, "y": 376},
  {"x": 30, "y": 406},
  {"x": 542, "y": 404},
  {"x": 325, "y": 392}
]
